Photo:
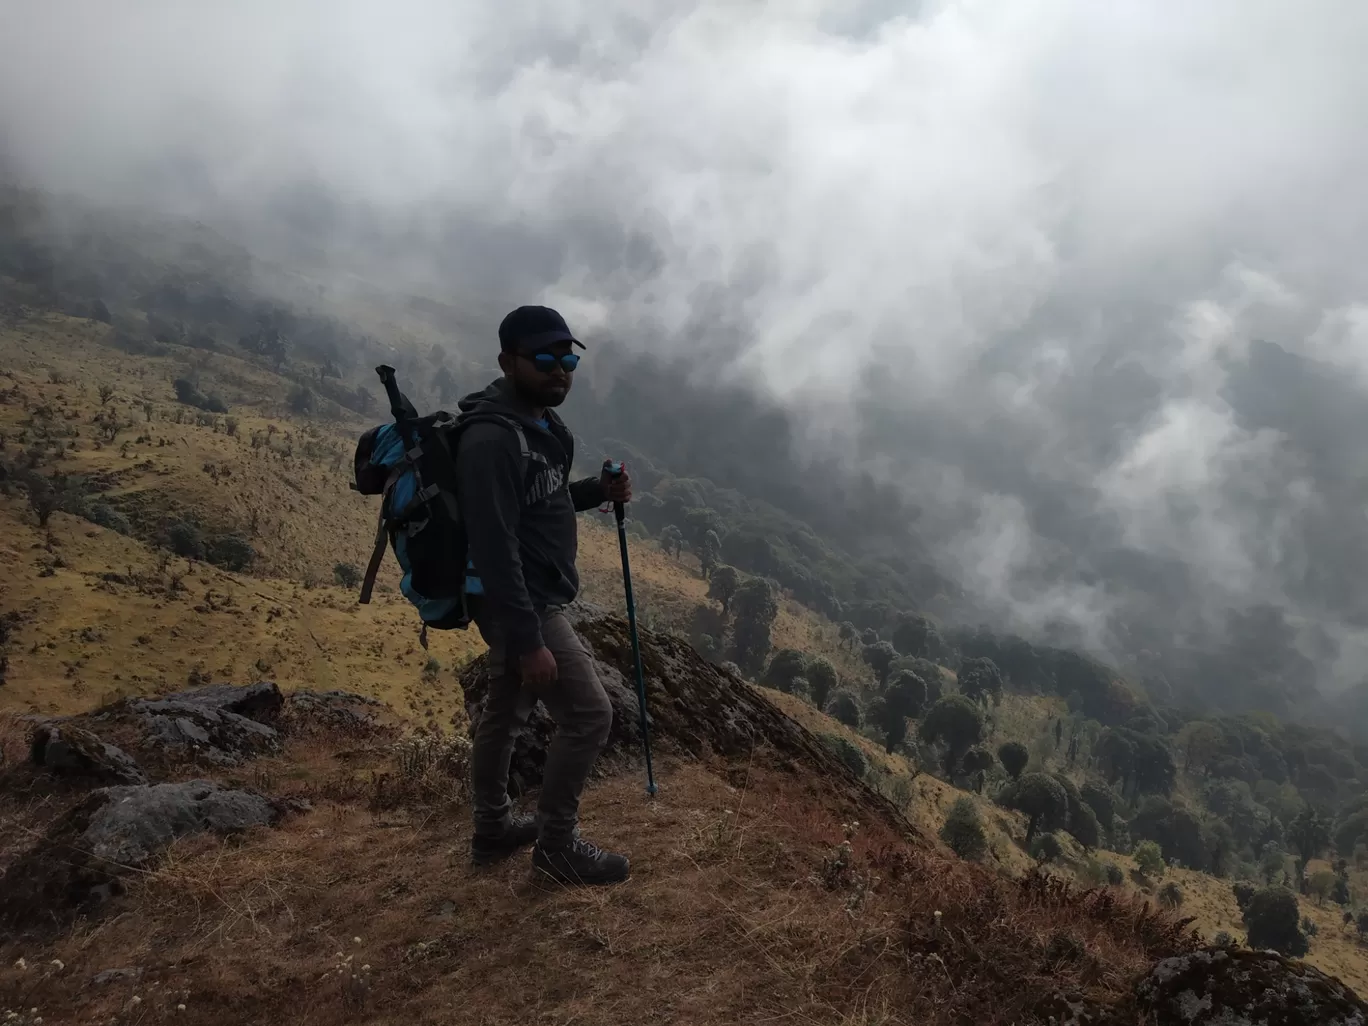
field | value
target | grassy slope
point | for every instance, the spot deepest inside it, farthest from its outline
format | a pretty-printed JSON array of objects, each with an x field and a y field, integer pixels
[{"x": 87, "y": 635}]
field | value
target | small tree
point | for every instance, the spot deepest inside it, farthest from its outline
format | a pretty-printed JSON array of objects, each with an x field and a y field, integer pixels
[
  {"x": 672, "y": 541},
  {"x": 1014, "y": 756},
  {"x": 756, "y": 608},
  {"x": 956, "y": 723},
  {"x": 1149, "y": 859},
  {"x": 709, "y": 553},
  {"x": 880, "y": 657},
  {"x": 848, "y": 634},
  {"x": 722, "y": 585},
  {"x": 977, "y": 762},
  {"x": 786, "y": 664},
  {"x": 903, "y": 698},
  {"x": 845, "y": 708},
  {"x": 913, "y": 635},
  {"x": 1273, "y": 920},
  {"x": 1041, "y": 798},
  {"x": 1102, "y": 800},
  {"x": 1272, "y": 863},
  {"x": 822, "y": 677},
  {"x": 981, "y": 680},
  {"x": 1321, "y": 883},
  {"x": 1309, "y": 835},
  {"x": 1115, "y": 877},
  {"x": 963, "y": 830},
  {"x": 347, "y": 575}
]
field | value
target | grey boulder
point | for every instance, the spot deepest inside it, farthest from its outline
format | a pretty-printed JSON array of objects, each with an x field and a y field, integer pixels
[{"x": 68, "y": 750}]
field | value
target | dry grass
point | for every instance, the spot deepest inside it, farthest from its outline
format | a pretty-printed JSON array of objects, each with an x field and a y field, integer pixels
[{"x": 743, "y": 907}]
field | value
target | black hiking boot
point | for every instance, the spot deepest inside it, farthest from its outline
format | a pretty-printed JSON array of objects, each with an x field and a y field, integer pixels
[
  {"x": 489, "y": 848},
  {"x": 580, "y": 862}
]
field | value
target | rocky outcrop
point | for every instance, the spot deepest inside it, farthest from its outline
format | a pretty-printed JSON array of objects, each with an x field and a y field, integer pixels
[
  {"x": 78, "y": 865},
  {"x": 71, "y": 751},
  {"x": 341, "y": 711},
  {"x": 695, "y": 708},
  {"x": 220, "y": 723},
  {"x": 1235, "y": 987},
  {"x": 133, "y": 824}
]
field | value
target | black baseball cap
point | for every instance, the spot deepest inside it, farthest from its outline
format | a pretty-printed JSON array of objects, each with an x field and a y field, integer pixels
[{"x": 530, "y": 328}]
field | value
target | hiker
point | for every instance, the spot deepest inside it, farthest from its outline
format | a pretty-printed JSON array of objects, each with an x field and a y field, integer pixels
[{"x": 519, "y": 514}]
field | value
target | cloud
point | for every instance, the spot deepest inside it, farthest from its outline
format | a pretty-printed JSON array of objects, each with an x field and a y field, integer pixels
[{"x": 1013, "y": 251}]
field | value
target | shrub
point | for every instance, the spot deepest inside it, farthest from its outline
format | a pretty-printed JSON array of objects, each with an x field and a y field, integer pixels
[
  {"x": 1092, "y": 872},
  {"x": 1171, "y": 895},
  {"x": 1102, "y": 800},
  {"x": 822, "y": 679},
  {"x": 348, "y": 575},
  {"x": 229, "y": 551},
  {"x": 1244, "y": 891},
  {"x": 1046, "y": 848},
  {"x": 845, "y": 708},
  {"x": 186, "y": 539},
  {"x": 1272, "y": 920},
  {"x": 105, "y": 515},
  {"x": 1014, "y": 756},
  {"x": 848, "y": 752},
  {"x": 1149, "y": 858},
  {"x": 963, "y": 831},
  {"x": 187, "y": 393},
  {"x": 955, "y": 722},
  {"x": 1041, "y": 798},
  {"x": 1114, "y": 875},
  {"x": 786, "y": 664},
  {"x": 301, "y": 400},
  {"x": 1224, "y": 940}
]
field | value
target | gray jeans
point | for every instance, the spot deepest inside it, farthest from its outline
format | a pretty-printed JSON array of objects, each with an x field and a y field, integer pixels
[{"x": 576, "y": 701}]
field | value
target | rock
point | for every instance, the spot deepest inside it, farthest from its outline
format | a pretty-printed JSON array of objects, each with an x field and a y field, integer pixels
[
  {"x": 77, "y": 866},
  {"x": 1244, "y": 988},
  {"x": 695, "y": 708},
  {"x": 131, "y": 974},
  {"x": 68, "y": 750},
  {"x": 136, "y": 822},
  {"x": 222, "y": 723},
  {"x": 335, "y": 710}
]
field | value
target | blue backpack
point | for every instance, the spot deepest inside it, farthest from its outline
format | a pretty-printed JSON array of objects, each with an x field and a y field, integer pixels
[{"x": 412, "y": 465}]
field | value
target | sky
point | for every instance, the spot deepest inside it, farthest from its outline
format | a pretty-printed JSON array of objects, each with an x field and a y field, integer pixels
[{"x": 1010, "y": 252}]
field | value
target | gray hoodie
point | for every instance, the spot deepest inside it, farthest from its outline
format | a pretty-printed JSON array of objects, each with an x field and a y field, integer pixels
[{"x": 519, "y": 512}]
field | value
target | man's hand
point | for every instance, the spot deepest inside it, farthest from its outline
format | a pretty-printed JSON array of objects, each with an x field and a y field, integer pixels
[
  {"x": 616, "y": 487},
  {"x": 538, "y": 666}
]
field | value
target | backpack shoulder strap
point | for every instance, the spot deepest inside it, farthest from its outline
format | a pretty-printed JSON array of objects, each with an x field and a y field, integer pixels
[{"x": 381, "y": 538}]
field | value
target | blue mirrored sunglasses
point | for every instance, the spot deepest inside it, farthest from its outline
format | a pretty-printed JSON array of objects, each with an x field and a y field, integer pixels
[{"x": 546, "y": 362}]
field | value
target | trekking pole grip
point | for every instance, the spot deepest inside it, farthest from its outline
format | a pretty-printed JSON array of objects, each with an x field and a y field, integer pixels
[{"x": 613, "y": 468}]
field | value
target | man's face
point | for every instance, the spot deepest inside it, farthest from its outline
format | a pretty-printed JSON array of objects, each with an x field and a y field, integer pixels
[{"x": 538, "y": 378}]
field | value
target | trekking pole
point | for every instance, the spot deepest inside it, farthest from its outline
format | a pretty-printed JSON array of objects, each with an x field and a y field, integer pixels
[{"x": 613, "y": 468}]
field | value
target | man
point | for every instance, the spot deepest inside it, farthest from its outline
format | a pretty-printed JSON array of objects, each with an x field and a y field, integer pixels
[{"x": 519, "y": 510}]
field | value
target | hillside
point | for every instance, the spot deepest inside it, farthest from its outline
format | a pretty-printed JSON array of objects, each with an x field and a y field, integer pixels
[{"x": 98, "y": 608}]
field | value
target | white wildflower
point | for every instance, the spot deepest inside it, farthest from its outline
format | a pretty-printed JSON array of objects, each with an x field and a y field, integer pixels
[
  {"x": 20, "y": 965},
  {"x": 356, "y": 940},
  {"x": 365, "y": 968},
  {"x": 59, "y": 964},
  {"x": 135, "y": 1000},
  {"x": 180, "y": 1008}
]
